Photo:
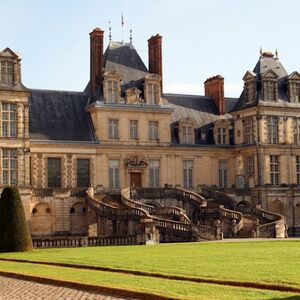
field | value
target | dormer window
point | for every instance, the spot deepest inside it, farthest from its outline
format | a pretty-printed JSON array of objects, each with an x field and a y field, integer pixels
[
  {"x": 152, "y": 89},
  {"x": 112, "y": 91},
  {"x": 250, "y": 80},
  {"x": 186, "y": 128},
  {"x": 294, "y": 87},
  {"x": 269, "y": 86},
  {"x": 6, "y": 72},
  {"x": 221, "y": 132},
  {"x": 111, "y": 87}
]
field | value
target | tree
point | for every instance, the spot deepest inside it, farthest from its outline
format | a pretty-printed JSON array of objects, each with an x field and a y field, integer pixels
[{"x": 14, "y": 232}]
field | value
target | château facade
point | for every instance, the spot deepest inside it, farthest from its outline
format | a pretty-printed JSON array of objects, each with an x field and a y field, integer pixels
[{"x": 124, "y": 131}]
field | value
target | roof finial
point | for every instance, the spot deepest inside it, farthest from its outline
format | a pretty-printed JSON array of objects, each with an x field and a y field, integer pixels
[
  {"x": 130, "y": 36},
  {"x": 276, "y": 54},
  {"x": 109, "y": 30},
  {"x": 260, "y": 51}
]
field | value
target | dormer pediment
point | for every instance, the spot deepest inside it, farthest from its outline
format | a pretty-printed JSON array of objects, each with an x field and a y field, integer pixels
[
  {"x": 269, "y": 74},
  {"x": 111, "y": 74},
  {"x": 250, "y": 75},
  {"x": 294, "y": 76},
  {"x": 133, "y": 95},
  {"x": 153, "y": 76},
  {"x": 187, "y": 121},
  {"x": 8, "y": 53}
]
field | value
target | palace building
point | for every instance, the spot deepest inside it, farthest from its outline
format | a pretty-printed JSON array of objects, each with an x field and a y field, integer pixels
[{"x": 131, "y": 143}]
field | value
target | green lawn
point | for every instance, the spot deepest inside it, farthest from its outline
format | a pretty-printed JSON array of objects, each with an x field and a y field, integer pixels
[{"x": 273, "y": 262}]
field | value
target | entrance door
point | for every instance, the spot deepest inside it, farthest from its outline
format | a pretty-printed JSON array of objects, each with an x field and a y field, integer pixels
[{"x": 136, "y": 179}]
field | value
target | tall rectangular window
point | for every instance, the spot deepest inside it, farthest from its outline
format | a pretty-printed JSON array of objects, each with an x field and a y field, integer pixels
[
  {"x": 9, "y": 120},
  {"x": 153, "y": 130},
  {"x": 113, "y": 129},
  {"x": 274, "y": 169},
  {"x": 54, "y": 172},
  {"x": 223, "y": 174},
  {"x": 187, "y": 135},
  {"x": 152, "y": 93},
  {"x": 114, "y": 174},
  {"x": 272, "y": 123},
  {"x": 6, "y": 72},
  {"x": 248, "y": 131},
  {"x": 154, "y": 173},
  {"x": 83, "y": 172},
  {"x": 249, "y": 164},
  {"x": 221, "y": 135},
  {"x": 133, "y": 129},
  {"x": 188, "y": 174},
  {"x": 298, "y": 169},
  {"x": 9, "y": 167},
  {"x": 112, "y": 91},
  {"x": 269, "y": 90}
]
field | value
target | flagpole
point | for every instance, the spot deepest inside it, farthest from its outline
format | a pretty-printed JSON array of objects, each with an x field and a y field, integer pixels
[{"x": 122, "y": 23}]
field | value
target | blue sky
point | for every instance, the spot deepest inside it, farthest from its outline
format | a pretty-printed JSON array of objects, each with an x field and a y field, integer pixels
[{"x": 200, "y": 38}]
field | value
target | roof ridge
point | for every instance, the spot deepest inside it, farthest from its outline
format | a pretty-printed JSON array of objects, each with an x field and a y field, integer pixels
[{"x": 60, "y": 91}]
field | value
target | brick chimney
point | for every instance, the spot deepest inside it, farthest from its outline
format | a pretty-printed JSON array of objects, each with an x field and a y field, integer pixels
[
  {"x": 155, "y": 55},
  {"x": 214, "y": 87},
  {"x": 96, "y": 58}
]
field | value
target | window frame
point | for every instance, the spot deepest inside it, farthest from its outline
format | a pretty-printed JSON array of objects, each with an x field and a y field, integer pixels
[
  {"x": 113, "y": 129},
  {"x": 6, "y": 72},
  {"x": 153, "y": 130},
  {"x": 54, "y": 176},
  {"x": 133, "y": 130},
  {"x": 82, "y": 180},
  {"x": 188, "y": 166},
  {"x": 154, "y": 173},
  {"x": 273, "y": 130},
  {"x": 9, "y": 166},
  {"x": 114, "y": 174},
  {"x": 9, "y": 116},
  {"x": 223, "y": 173}
]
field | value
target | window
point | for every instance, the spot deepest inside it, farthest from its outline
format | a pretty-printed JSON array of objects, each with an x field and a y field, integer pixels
[
  {"x": 114, "y": 175},
  {"x": 249, "y": 164},
  {"x": 6, "y": 73},
  {"x": 112, "y": 91},
  {"x": 187, "y": 135},
  {"x": 154, "y": 173},
  {"x": 223, "y": 176},
  {"x": 9, "y": 120},
  {"x": 249, "y": 131},
  {"x": 240, "y": 182},
  {"x": 9, "y": 166},
  {"x": 152, "y": 93},
  {"x": 272, "y": 130},
  {"x": 188, "y": 174},
  {"x": 153, "y": 130},
  {"x": 113, "y": 132},
  {"x": 294, "y": 91},
  {"x": 250, "y": 90},
  {"x": 54, "y": 172},
  {"x": 133, "y": 129},
  {"x": 269, "y": 90},
  {"x": 298, "y": 169},
  {"x": 83, "y": 172},
  {"x": 274, "y": 169},
  {"x": 221, "y": 135}
]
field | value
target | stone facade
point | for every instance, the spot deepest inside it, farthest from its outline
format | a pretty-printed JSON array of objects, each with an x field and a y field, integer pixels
[{"x": 253, "y": 153}]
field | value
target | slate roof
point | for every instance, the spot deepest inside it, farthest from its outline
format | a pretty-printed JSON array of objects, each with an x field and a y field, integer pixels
[
  {"x": 201, "y": 108},
  {"x": 123, "y": 58},
  {"x": 264, "y": 64},
  {"x": 59, "y": 115}
]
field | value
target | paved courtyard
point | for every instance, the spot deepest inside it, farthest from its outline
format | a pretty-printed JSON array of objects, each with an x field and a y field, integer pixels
[{"x": 16, "y": 289}]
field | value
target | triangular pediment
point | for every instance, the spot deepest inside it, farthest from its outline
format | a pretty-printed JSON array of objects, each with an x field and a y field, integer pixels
[
  {"x": 294, "y": 76},
  {"x": 8, "y": 53},
  {"x": 269, "y": 74},
  {"x": 250, "y": 75}
]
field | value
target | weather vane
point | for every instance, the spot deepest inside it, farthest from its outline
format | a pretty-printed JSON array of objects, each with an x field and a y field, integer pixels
[{"x": 109, "y": 30}]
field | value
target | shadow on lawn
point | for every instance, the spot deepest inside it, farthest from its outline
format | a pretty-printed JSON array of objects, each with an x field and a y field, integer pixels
[{"x": 288, "y": 298}]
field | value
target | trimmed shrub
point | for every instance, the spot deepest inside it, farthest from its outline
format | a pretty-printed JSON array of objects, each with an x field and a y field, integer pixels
[{"x": 14, "y": 232}]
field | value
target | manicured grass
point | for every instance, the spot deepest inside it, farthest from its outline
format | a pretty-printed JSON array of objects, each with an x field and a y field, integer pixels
[
  {"x": 276, "y": 262},
  {"x": 170, "y": 288}
]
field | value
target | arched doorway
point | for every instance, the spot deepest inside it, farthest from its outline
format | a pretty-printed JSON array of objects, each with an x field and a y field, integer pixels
[
  {"x": 41, "y": 220},
  {"x": 78, "y": 221}
]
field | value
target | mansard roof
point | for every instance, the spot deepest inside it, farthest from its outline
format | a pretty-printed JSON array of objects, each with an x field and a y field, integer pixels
[
  {"x": 267, "y": 66},
  {"x": 201, "y": 108},
  {"x": 124, "y": 59},
  {"x": 59, "y": 116}
]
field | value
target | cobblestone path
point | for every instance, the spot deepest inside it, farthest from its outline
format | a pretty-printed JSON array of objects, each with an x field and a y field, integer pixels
[{"x": 16, "y": 289}]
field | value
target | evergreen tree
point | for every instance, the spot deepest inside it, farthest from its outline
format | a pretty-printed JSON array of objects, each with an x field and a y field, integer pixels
[{"x": 14, "y": 232}]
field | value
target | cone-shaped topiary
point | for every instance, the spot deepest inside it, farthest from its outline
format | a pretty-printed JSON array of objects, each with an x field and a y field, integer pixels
[{"x": 14, "y": 233}]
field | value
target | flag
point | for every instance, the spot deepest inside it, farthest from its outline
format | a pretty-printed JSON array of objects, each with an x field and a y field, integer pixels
[{"x": 122, "y": 20}]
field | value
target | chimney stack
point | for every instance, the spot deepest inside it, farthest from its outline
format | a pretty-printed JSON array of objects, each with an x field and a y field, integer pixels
[
  {"x": 214, "y": 87},
  {"x": 96, "y": 58},
  {"x": 155, "y": 55}
]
